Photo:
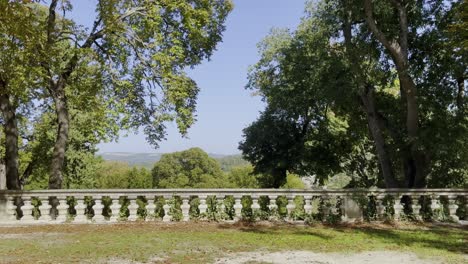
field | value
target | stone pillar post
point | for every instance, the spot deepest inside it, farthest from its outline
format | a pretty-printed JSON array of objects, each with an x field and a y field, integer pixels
[
  {"x": 326, "y": 206},
  {"x": 115, "y": 209},
  {"x": 62, "y": 210},
  {"x": 308, "y": 204},
  {"x": 380, "y": 207},
  {"x": 238, "y": 208},
  {"x": 185, "y": 208},
  {"x": 222, "y": 206},
  {"x": 97, "y": 208},
  {"x": 80, "y": 211},
  {"x": 397, "y": 207},
  {"x": 45, "y": 209},
  {"x": 416, "y": 207},
  {"x": 132, "y": 209},
  {"x": 453, "y": 206},
  {"x": 27, "y": 209},
  {"x": 11, "y": 208},
  {"x": 255, "y": 204},
  {"x": 167, "y": 209},
  {"x": 435, "y": 207},
  {"x": 203, "y": 206},
  {"x": 290, "y": 208},
  {"x": 150, "y": 209}
]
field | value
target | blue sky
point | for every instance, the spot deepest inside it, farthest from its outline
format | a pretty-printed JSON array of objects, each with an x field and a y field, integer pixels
[{"x": 224, "y": 106}]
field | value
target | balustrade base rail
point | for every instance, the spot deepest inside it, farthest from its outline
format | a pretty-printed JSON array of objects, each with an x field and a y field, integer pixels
[{"x": 110, "y": 206}]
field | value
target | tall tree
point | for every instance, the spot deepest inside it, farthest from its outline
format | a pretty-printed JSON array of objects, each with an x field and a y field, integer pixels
[
  {"x": 144, "y": 47},
  {"x": 18, "y": 36}
]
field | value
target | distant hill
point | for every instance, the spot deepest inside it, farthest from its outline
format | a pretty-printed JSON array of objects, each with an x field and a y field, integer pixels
[{"x": 147, "y": 160}]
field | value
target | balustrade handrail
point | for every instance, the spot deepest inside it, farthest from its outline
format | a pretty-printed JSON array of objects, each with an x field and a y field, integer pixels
[{"x": 211, "y": 192}]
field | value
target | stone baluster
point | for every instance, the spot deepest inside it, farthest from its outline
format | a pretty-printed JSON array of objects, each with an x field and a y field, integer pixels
[
  {"x": 435, "y": 207},
  {"x": 466, "y": 207},
  {"x": 290, "y": 208},
  {"x": 150, "y": 209},
  {"x": 380, "y": 207},
  {"x": 80, "y": 211},
  {"x": 416, "y": 207},
  {"x": 11, "y": 208},
  {"x": 27, "y": 209},
  {"x": 203, "y": 206},
  {"x": 98, "y": 208},
  {"x": 255, "y": 204},
  {"x": 273, "y": 206},
  {"x": 185, "y": 207},
  {"x": 238, "y": 208},
  {"x": 222, "y": 206},
  {"x": 132, "y": 209},
  {"x": 326, "y": 206},
  {"x": 397, "y": 207},
  {"x": 308, "y": 204},
  {"x": 453, "y": 206},
  {"x": 45, "y": 209},
  {"x": 115, "y": 209},
  {"x": 167, "y": 209},
  {"x": 62, "y": 209}
]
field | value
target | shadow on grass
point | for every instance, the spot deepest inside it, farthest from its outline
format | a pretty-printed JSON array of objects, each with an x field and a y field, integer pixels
[
  {"x": 443, "y": 238},
  {"x": 280, "y": 229},
  {"x": 447, "y": 238}
]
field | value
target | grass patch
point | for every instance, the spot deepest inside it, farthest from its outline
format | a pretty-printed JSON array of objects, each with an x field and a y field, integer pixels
[{"x": 204, "y": 242}]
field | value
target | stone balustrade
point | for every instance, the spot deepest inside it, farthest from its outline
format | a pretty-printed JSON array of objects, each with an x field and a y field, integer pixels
[{"x": 107, "y": 206}]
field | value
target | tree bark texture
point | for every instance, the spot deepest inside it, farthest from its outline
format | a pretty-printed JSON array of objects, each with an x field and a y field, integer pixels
[{"x": 10, "y": 128}]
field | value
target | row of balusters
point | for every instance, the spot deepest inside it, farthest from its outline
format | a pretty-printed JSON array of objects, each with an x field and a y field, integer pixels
[{"x": 77, "y": 209}]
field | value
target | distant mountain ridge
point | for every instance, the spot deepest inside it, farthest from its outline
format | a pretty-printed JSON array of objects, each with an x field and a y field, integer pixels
[{"x": 147, "y": 160}]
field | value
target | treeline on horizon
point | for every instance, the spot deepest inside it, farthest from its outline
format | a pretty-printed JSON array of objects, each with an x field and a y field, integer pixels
[
  {"x": 192, "y": 168},
  {"x": 373, "y": 91}
]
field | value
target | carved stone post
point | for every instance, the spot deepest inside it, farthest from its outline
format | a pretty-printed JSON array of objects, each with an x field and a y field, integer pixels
[
  {"x": 150, "y": 209},
  {"x": 325, "y": 209},
  {"x": 115, "y": 209},
  {"x": 397, "y": 207},
  {"x": 80, "y": 211},
  {"x": 435, "y": 207},
  {"x": 308, "y": 204},
  {"x": 167, "y": 209},
  {"x": 132, "y": 209},
  {"x": 453, "y": 206},
  {"x": 380, "y": 207},
  {"x": 290, "y": 208},
  {"x": 255, "y": 204},
  {"x": 416, "y": 207},
  {"x": 237, "y": 208},
  {"x": 222, "y": 206},
  {"x": 203, "y": 206},
  {"x": 62, "y": 209},
  {"x": 45, "y": 209},
  {"x": 185, "y": 208},
  {"x": 97, "y": 208},
  {"x": 27, "y": 209},
  {"x": 10, "y": 208}
]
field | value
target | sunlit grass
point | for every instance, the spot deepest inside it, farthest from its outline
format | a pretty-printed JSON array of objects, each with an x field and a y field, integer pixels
[{"x": 204, "y": 242}]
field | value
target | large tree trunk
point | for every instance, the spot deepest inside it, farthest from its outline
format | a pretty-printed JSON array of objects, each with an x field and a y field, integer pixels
[
  {"x": 2, "y": 175},
  {"x": 58, "y": 155},
  {"x": 368, "y": 103},
  {"x": 416, "y": 161},
  {"x": 10, "y": 127}
]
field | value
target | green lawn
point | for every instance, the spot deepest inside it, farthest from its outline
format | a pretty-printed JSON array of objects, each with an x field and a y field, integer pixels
[{"x": 203, "y": 242}]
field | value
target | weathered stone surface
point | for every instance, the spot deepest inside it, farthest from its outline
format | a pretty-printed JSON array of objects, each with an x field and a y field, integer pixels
[{"x": 349, "y": 209}]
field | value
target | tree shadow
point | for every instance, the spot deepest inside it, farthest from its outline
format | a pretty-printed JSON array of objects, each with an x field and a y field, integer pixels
[{"x": 453, "y": 239}]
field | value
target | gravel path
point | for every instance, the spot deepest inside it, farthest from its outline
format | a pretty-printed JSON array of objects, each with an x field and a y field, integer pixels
[{"x": 307, "y": 257}]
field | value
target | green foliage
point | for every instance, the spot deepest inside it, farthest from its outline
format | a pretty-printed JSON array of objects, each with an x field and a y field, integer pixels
[
  {"x": 334, "y": 104},
  {"x": 243, "y": 177},
  {"x": 293, "y": 182},
  {"x": 192, "y": 168},
  {"x": 118, "y": 175}
]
